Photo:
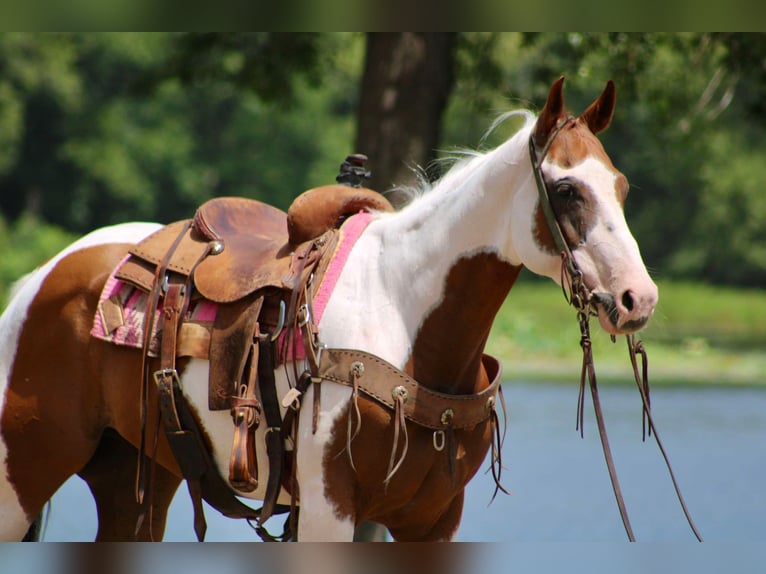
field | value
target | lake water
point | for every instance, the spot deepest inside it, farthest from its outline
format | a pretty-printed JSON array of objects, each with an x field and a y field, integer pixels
[{"x": 715, "y": 437}]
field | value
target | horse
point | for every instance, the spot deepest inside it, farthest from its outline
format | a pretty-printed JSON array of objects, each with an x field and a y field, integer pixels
[{"x": 418, "y": 293}]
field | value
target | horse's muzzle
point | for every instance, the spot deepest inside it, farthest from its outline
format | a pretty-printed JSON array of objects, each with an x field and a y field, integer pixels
[{"x": 623, "y": 318}]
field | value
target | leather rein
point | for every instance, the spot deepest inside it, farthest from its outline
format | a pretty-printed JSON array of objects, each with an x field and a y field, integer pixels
[{"x": 577, "y": 295}]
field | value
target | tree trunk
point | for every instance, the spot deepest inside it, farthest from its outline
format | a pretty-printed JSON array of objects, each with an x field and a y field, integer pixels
[{"x": 408, "y": 77}]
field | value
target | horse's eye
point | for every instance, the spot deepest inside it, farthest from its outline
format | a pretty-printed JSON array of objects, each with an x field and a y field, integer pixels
[{"x": 565, "y": 189}]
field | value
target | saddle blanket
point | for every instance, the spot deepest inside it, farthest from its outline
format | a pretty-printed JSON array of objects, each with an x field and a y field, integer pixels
[{"x": 122, "y": 307}]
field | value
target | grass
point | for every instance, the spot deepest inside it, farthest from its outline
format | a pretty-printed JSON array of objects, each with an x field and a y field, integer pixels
[{"x": 699, "y": 335}]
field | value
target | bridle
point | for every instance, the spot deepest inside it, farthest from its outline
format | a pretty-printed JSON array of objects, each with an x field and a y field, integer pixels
[{"x": 577, "y": 295}]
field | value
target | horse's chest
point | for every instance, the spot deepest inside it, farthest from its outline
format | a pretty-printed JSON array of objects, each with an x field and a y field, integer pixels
[{"x": 430, "y": 476}]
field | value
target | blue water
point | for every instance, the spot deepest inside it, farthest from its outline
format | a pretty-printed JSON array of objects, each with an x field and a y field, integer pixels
[{"x": 560, "y": 489}]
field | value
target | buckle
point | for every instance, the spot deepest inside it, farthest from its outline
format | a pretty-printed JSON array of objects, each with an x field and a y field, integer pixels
[
  {"x": 164, "y": 374},
  {"x": 304, "y": 315}
]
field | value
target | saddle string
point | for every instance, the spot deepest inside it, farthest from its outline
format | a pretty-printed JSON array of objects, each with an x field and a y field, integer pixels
[
  {"x": 498, "y": 438},
  {"x": 400, "y": 427},
  {"x": 357, "y": 371}
]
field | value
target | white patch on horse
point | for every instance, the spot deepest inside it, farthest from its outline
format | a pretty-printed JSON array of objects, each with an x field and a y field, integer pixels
[
  {"x": 14, "y": 521},
  {"x": 219, "y": 427},
  {"x": 610, "y": 251},
  {"x": 319, "y": 518},
  {"x": 397, "y": 270}
]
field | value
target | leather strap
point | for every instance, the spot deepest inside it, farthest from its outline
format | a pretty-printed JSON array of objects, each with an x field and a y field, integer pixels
[
  {"x": 168, "y": 386},
  {"x": 589, "y": 370},
  {"x": 636, "y": 347},
  {"x": 274, "y": 441},
  {"x": 153, "y": 300},
  {"x": 579, "y": 297},
  {"x": 246, "y": 414},
  {"x": 181, "y": 428},
  {"x": 244, "y": 406},
  {"x": 385, "y": 383},
  {"x": 545, "y": 197},
  {"x": 183, "y": 432},
  {"x": 195, "y": 459}
]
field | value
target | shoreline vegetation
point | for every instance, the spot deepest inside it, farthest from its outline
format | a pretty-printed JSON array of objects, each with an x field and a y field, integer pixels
[{"x": 699, "y": 335}]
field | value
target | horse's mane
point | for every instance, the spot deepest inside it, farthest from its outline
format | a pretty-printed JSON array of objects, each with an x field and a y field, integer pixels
[{"x": 457, "y": 163}]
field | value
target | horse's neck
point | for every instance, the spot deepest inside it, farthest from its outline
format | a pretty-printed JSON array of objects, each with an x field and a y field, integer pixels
[{"x": 446, "y": 258}]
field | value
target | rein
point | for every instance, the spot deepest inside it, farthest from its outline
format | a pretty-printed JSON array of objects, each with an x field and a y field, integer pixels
[{"x": 577, "y": 295}]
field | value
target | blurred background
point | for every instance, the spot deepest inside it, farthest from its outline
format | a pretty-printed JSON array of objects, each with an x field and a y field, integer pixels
[{"x": 104, "y": 128}]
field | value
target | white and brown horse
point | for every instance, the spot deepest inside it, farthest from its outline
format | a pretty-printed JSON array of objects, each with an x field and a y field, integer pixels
[{"x": 420, "y": 290}]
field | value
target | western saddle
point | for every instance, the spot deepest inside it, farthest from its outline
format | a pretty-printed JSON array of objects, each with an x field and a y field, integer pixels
[{"x": 258, "y": 264}]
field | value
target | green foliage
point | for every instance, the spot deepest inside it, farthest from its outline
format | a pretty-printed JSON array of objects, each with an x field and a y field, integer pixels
[
  {"x": 265, "y": 62},
  {"x": 699, "y": 334},
  {"x": 102, "y": 128},
  {"x": 727, "y": 235},
  {"x": 108, "y": 127},
  {"x": 25, "y": 244},
  {"x": 688, "y": 132}
]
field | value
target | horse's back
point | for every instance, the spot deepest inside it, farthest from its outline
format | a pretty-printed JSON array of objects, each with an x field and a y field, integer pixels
[{"x": 50, "y": 420}]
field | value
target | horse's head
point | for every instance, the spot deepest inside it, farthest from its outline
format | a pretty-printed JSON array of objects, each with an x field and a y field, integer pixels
[{"x": 587, "y": 194}]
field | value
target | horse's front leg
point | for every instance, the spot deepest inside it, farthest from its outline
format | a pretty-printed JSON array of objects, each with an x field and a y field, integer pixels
[{"x": 319, "y": 519}]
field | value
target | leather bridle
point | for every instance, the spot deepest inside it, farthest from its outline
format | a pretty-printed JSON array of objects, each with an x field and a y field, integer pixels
[{"x": 580, "y": 298}]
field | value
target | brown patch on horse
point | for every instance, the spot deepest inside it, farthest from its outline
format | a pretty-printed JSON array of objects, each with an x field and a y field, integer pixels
[
  {"x": 575, "y": 142},
  {"x": 575, "y": 211},
  {"x": 422, "y": 502},
  {"x": 51, "y": 425},
  {"x": 574, "y": 205},
  {"x": 595, "y": 118},
  {"x": 447, "y": 352}
]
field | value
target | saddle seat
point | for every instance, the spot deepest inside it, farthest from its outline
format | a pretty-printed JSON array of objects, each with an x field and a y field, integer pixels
[
  {"x": 249, "y": 243},
  {"x": 254, "y": 248}
]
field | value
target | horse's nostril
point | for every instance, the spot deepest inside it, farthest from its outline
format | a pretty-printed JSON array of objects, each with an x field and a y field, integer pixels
[{"x": 627, "y": 300}]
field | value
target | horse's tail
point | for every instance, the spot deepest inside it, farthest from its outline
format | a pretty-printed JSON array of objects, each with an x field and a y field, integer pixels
[{"x": 36, "y": 530}]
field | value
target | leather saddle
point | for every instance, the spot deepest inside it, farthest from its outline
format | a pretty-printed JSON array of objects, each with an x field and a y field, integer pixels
[
  {"x": 236, "y": 246},
  {"x": 251, "y": 259}
]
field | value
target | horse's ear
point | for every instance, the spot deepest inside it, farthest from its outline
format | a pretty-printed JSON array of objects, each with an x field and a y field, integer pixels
[
  {"x": 551, "y": 113},
  {"x": 599, "y": 113}
]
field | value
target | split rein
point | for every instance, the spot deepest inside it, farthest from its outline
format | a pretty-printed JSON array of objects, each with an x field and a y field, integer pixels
[{"x": 577, "y": 295}]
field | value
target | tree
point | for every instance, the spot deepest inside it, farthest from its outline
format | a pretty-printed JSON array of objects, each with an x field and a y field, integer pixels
[
  {"x": 407, "y": 80},
  {"x": 103, "y": 128}
]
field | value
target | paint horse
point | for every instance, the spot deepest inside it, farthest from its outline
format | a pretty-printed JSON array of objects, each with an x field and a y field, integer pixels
[{"x": 418, "y": 293}]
